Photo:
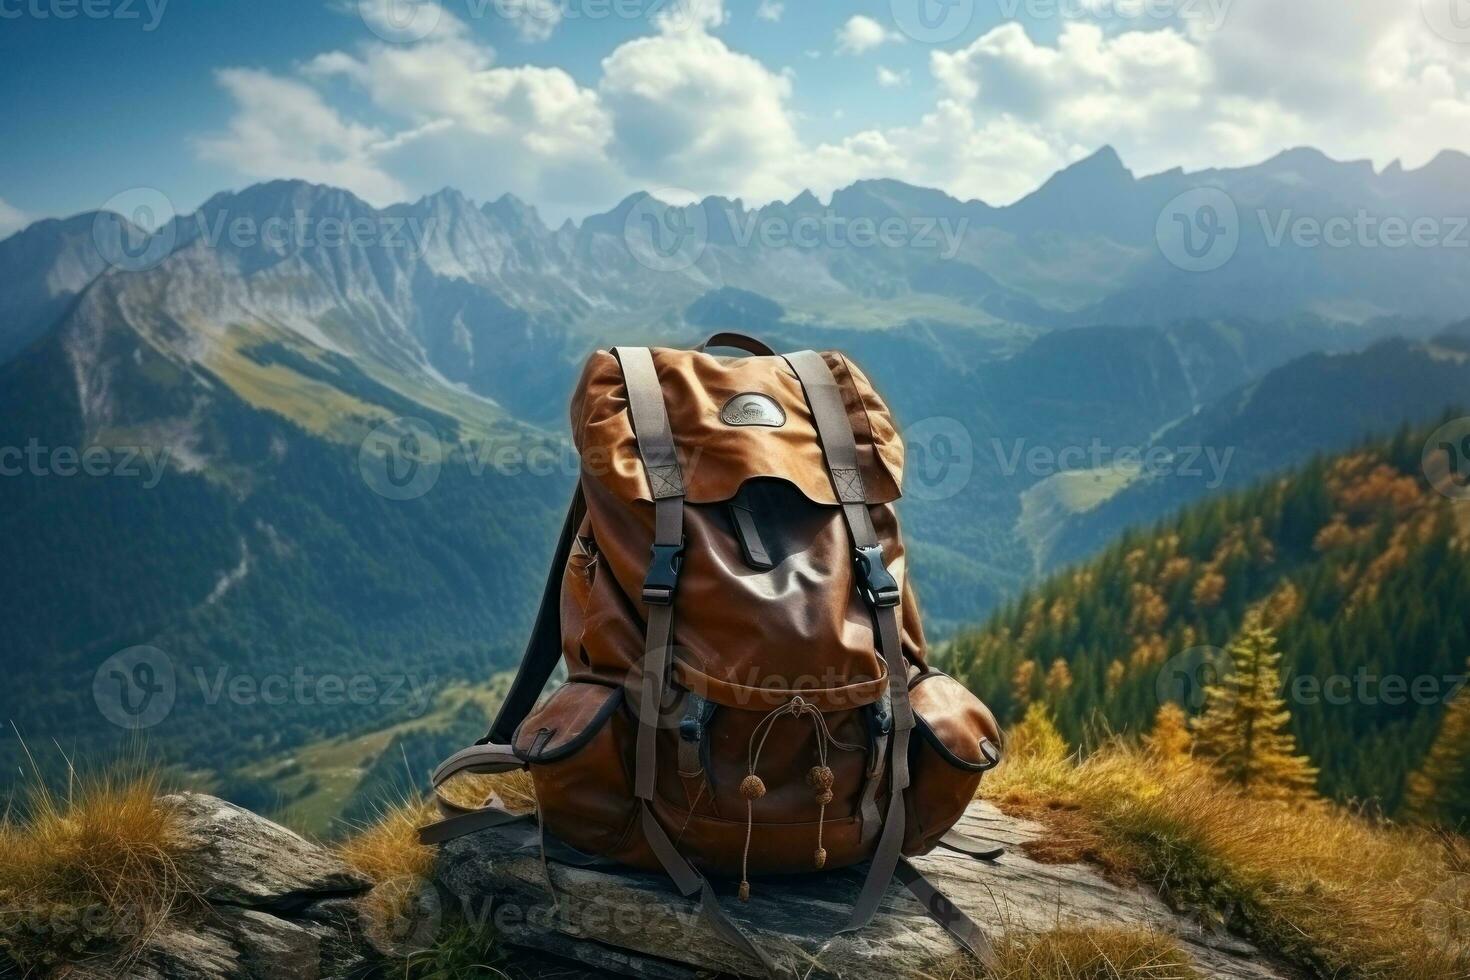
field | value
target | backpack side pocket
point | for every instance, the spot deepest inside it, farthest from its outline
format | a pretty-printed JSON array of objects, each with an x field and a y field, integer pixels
[
  {"x": 955, "y": 742},
  {"x": 576, "y": 745}
]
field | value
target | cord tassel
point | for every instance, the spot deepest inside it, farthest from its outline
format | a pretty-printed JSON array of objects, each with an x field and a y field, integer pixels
[{"x": 820, "y": 777}]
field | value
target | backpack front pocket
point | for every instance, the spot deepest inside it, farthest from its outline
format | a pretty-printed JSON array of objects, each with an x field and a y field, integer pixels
[
  {"x": 577, "y": 747},
  {"x": 954, "y": 743}
]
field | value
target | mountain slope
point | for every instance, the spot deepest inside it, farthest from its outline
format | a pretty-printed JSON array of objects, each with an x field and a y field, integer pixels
[
  {"x": 45, "y": 267},
  {"x": 1316, "y": 403},
  {"x": 311, "y": 527},
  {"x": 1357, "y": 563}
]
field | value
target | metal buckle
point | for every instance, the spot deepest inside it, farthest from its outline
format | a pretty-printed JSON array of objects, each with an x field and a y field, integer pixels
[
  {"x": 663, "y": 574},
  {"x": 876, "y": 585}
]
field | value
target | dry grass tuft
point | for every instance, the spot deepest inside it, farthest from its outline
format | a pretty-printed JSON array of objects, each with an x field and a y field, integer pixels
[
  {"x": 389, "y": 848},
  {"x": 89, "y": 873},
  {"x": 1323, "y": 888},
  {"x": 1076, "y": 954},
  {"x": 389, "y": 854}
]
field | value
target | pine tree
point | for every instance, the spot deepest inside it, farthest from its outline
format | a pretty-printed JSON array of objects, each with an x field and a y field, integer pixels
[
  {"x": 1170, "y": 741},
  {"x": 1244, "y": 727},
  {"x": 1023, "y": 681},
  {"x": 1036, "y": 737},
  {"x": 1440, "y": 789},
  {"x": 1058, "y": 679}
]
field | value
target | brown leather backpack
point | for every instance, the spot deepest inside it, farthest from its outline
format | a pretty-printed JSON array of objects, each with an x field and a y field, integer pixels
[{"x": 747, "y": 688}]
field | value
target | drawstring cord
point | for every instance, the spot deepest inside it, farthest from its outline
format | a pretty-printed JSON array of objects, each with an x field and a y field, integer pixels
[{"x": 819, "y": 777}]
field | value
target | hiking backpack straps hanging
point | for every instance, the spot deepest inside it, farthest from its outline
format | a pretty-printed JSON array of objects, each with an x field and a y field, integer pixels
[
  {"x": 771, "y": 552},
  {"x": 883, "y": 596}
]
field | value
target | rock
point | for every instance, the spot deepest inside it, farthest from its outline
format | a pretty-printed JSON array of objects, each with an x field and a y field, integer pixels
[
  {"x": 272, "y": 948},
  {"x": 242, "y": 858},
  {"x": 636, "y": 924},
  {"x": 277, "y": 907}
]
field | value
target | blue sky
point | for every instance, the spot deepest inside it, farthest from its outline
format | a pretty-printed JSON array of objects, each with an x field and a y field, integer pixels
[{"x": 571, "y": 104}]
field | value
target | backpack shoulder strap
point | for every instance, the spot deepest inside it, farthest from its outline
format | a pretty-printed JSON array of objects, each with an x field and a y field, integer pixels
[
  {"x": 882, "y": 593},
  {"x": 543, "y": 650},
  {"x": 666, "y": 484}
]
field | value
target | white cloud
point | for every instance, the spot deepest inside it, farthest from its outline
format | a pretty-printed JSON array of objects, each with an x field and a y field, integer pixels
[
  {"x": 12, "y": 219},
  {"x": 535, "y": 20},
  {"x": 680, "y": 107},
  {"x": 1353, "y": 77},
  {"x": 690, "y": 112},
  {"x": 283, "y": 128},
  {"x": 862, "y": 34},
  {"x": 888, "y": 78},
  {"x": 480, "y": 126}
]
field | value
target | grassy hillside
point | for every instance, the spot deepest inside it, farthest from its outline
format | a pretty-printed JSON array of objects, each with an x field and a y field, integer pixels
[{"x": 1359, "y": 566}]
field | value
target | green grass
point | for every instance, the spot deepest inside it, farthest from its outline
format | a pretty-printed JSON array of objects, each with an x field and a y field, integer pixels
[{"x": 1046, "y": 506}]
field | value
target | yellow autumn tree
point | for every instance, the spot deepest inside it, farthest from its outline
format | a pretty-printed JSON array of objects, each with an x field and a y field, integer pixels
[
  {"x": 1058, "y": 679},
  {"x": 1244, "y": 729},
  {"x": 1170, "y": 742},
  {"x": 1023, "y": 680},
  {"x": 1439, "y": 790},
  {"x": 1036, "y": 737}
]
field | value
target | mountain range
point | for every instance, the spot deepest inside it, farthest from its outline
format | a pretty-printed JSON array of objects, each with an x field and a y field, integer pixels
[{"x": 357, "y": 414}]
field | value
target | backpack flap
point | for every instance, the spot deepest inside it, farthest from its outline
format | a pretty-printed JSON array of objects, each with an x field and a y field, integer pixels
[{"x": 732, "y": 420}]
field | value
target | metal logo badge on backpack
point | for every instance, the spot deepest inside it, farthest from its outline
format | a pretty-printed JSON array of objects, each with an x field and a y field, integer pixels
[{"x": 753, "y": 408}]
